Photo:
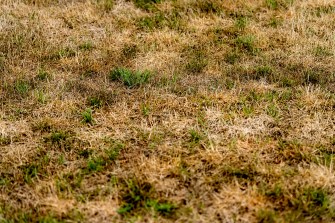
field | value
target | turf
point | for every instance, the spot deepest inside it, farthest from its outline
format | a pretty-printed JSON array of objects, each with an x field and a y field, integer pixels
[{"x": 167, "y": 111}]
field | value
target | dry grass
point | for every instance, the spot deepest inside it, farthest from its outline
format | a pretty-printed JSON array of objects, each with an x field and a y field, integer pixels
[{"x": 167, "y": 111}]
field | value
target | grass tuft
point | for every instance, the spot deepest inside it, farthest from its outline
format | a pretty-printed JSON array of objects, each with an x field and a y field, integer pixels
[{"x": 130, "y": 78}]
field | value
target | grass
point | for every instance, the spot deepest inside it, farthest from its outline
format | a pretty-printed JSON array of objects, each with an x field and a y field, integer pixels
[
  {"x": 130, "y": 78},
  {"x": 167, "y": 111},
  {"x": 87, "y": 116}
]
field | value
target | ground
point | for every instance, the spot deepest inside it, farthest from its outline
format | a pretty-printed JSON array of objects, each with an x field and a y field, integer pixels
[{"x": 167, "y": 111}]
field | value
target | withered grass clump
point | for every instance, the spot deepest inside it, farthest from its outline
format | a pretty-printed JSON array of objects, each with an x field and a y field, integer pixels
[{"x": 167, "y": 111}]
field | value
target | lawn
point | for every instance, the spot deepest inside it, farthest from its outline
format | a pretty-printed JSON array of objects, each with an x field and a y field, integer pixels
[{"x": 167, "y": 111}]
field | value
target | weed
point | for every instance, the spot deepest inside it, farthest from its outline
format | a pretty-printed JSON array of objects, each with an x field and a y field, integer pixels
[
  {"x": 87, "y": 116},
  {"x": 130, "y": 78}
]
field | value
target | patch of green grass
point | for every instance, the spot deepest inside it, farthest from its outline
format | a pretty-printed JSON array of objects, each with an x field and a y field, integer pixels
[
  {"x": 232, "y": 57},
  {"x": 95, "y": 164},
  {"x": 272, "y": 110},
  {"x": 65, "y": 53},
  {"x": 312, "y": 77},
  {"x": 247, "y": 43},
  {"x": 86, "y": 46},
  {"x": 152, "y": 22},
  {"x": 159, "y": 20},
  {"x": 64, "y": 140},
  {"x": 275, "y": 22},
  {"x": 321, "y": 51},
  {"x": 272, "y": 4},
  {"x": 134, "y": 196},
  {"x": 114, "y": 151},
  {"x": 85, "y": 153},
  {"x": 147, "y": 5},
  {"x": 145, "y": 110},
  {"x": 68, "y": 182},
  {"x": 130, "y": 78},
  {"x": 43, "y": 125},
  {"x": 22, "y": 87},
  {"x": 40, "y": 96},
  {"x": 129, "y": 51},
  {"x": 326, "y": 155},
  {"x": 197, "y": 61},
  {"x": 208, "y": 6},
  {"x": 241, "y": 22},
  {"x": 30, "y": 171},
  {"x": 107, "y": 5},
  {"x": 324, "y": 9},
  {"x": 292, "y": 152},
  {"x": 195, "y": 136},
  {"x": 36, "y": 168},
  {"x": 164, "y": 208},
  {"x": 5, "y": 140},
  {"x": 278, "y": 4},
  {"x": 286, "y": 82},
  {"x": 87, "y": 116},
  {"x": 57, "y": 137},
  {"x": 94, "y": 102},
  {"x": 43, "y": 75},
  {"x": 4, "y": 182},
  {"x": 263, "y": 72},
  {"x": 247, "y": 109},
  {"x": 267, "y": 216}
]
